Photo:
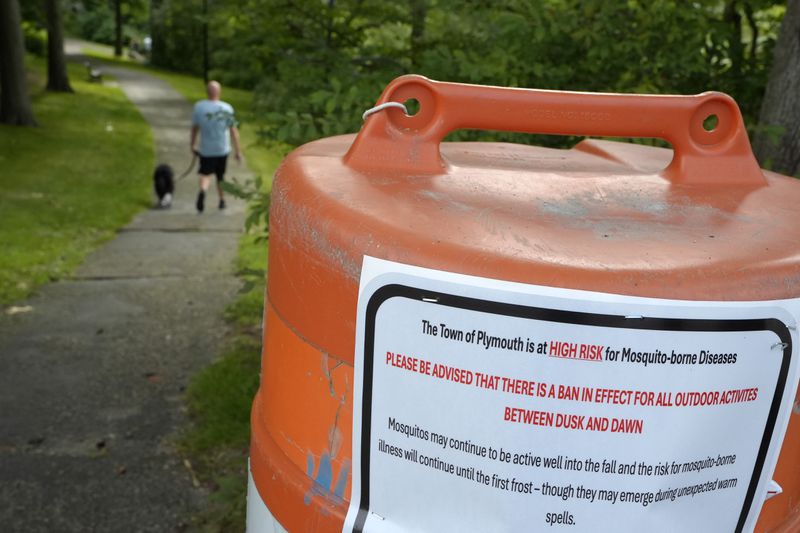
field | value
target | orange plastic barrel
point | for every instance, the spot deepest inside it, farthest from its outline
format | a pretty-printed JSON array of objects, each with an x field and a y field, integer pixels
[{"x": 701, "y": 222}]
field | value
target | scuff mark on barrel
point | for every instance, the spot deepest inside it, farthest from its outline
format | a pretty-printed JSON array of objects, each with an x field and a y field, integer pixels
[
  {"x": 640, "y": 211},
  {"x": 328, "y": 367},
  {"x": 446, "y": 201},
  {"x": 334, "y": 434},
  {"x": 304, "y": 225},
  {"x": 291, "y": 441}
]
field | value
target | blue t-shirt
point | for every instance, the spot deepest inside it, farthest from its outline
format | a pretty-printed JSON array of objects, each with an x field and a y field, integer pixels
[{"x": 215, "y": 118}]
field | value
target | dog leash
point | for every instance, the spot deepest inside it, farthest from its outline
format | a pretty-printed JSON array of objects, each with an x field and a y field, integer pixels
[{"x": 191, "y": 165}]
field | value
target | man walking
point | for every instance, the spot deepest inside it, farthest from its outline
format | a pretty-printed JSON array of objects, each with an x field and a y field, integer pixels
[{"x": 214, "y": 120}]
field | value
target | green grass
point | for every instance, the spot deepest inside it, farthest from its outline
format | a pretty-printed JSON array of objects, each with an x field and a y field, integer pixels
[
  {"x": 219, "y": 399},
  {"x": 216, "y": 443},
  {"x": 67, "y": 185},
  {"x": 247, "y": 310}
]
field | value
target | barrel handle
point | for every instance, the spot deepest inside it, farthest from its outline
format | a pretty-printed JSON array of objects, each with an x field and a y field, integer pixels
[{"x": 391, "y": 141}]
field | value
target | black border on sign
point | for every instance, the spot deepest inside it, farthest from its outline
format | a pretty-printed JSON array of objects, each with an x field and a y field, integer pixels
[{"x": 566, "y": 317}]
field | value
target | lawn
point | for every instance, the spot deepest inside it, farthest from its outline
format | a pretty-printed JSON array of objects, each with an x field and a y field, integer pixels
[{"x": 67, "y": 185}]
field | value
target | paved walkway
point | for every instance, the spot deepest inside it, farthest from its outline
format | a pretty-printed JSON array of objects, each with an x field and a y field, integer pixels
[{"x": 91, "y": 380}]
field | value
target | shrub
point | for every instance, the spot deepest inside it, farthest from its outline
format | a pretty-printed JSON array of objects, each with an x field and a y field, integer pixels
[{"x": 35, "y": 38}]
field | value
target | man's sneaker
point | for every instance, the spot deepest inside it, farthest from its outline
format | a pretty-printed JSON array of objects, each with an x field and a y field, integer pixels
[
  {"x": 221, "y": 203},
  {"x": 201, "y": 200}
]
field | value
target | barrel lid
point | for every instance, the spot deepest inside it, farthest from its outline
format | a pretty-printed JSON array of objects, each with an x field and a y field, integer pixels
[
  {"x": 600, "y": 217},
  {"x": 700, "y": 223}
]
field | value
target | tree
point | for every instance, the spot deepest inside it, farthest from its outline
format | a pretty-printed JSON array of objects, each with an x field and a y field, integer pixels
[
  {"x": 15, "y": 103},
  {"x": 315, "y": 65},
  {"x": 205, "y": 42},
  {"x": 118, "y": 28},
  {"x": 97, "y": 21},
  {"x": 156, "y": 33},
  {"x": 780, "y": 109},
  {"x": 176, "y": 27},
  {"x": 57, "y": 79}
]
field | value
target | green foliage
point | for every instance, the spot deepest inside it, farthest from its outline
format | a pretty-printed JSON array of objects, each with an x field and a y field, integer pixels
[
  {"x": 67, "y": 185},
  {"x": 249, "y": 306},
  {"x": 176, "y": 28},
  {"x": 331, "y": 109},
  {"x": 219, "y": 400},
  {"x": 35, "y": 38},
  {"x": 317, "y": 65},
  {"x": 32, "y": 12},
  {"x": 257, "y": 200},
  {"x": 94, "y": 20},
  {"x": 226, "y": 420},
  {"x": 327, "y": 63}
]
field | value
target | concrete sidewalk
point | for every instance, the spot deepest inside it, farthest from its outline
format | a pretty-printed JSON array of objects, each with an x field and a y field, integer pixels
[{"x": 91, "y": 380}]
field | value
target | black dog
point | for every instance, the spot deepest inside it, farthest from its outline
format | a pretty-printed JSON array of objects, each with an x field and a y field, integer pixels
[{"x": 164, "y": 185}]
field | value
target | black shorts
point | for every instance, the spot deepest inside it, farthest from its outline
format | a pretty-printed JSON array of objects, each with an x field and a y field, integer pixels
[{"x": 213, "y": 165}]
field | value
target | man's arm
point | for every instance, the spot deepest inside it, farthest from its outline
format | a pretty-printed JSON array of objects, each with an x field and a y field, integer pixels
[
  {"x": 235, "y": 139},
  {"x": 195, "y": 130}
]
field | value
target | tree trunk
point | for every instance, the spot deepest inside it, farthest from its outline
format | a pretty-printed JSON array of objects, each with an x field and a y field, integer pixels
[
  {"x": 15, "y": 103},
  {"x": 777, "y": 142},
  {"x": 733, "y": 19},
  {"x": 57, "y": 79},
  {"x": 205, "y": 42},
  {"x": 118, "y": 24},
  {"x": 158, "y": 45}
]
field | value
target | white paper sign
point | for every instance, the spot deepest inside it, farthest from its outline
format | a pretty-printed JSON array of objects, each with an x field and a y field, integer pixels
[{"x": 483, "y": 405}]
